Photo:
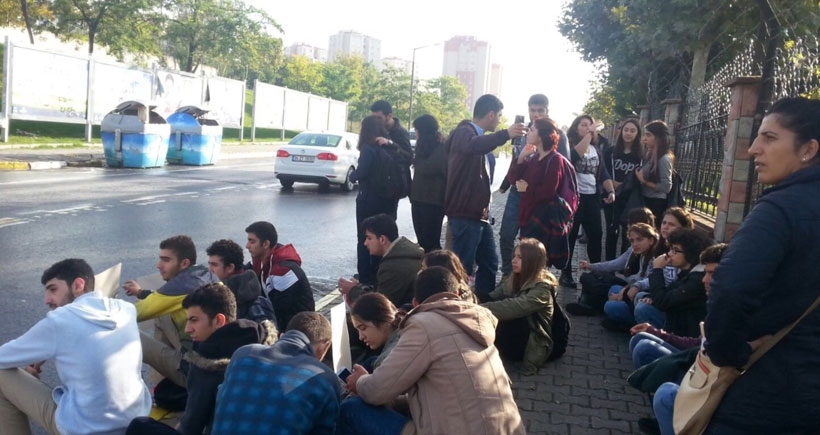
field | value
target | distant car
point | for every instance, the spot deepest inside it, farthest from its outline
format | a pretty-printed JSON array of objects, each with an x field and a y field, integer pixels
[
  {"x": 323, "y": 158},
  {"x": 412, "y": 133}
]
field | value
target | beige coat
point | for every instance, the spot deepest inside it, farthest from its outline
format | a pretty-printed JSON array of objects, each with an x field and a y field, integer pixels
[{"x": 446, "y": 363}]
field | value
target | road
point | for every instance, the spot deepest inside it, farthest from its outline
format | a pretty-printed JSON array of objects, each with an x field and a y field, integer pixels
[{"x": 120, "y": 215}]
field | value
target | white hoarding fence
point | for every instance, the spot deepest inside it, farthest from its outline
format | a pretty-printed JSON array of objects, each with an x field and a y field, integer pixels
[{"x": 275, "y": 107}]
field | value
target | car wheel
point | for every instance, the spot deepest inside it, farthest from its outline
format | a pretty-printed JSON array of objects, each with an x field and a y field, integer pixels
[
  {"x": 347, "y": 186},
  {"x": 287, "y": 184}
]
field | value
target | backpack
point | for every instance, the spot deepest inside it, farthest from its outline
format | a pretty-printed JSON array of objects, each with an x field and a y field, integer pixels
[
  {"x": 560, "y": 330},
  {"x": 676, "y": 197},
  {"x": 390, "y": 178}
]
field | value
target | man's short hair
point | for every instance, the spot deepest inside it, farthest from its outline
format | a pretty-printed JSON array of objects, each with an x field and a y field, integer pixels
[
  {"x": 539, "y": 100},
  {"x": 314, "y": 325},
  {"x": 434, "y": 280},
  {"x": 692, "y": 241},
  {"x": 382, "y": 106},
  {"x": 382, "y": 225},
  {"x": 182, "y": 246},
  {"x": 213, "y": 299},
  {"x": 229, "y": 251},
  {"x": 485, "y": 104},
  {"x": 264, "y": 231},
  {"x": 68, "y": 270},
  {"x": 713, "y": 254}
]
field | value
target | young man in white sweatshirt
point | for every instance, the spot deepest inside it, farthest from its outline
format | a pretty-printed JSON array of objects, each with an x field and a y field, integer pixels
[{"x": 95, "y": 346}]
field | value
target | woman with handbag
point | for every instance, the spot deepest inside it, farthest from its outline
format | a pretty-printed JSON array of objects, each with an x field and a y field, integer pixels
[
  {"x": 655, "y": 175},
  {"x": 621, "y": 162},
  {"x": 429, "y": 182},
  {"x": 766, "y": 279}
]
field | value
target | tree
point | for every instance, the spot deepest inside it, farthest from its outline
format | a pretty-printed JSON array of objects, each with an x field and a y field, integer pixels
[
  {"x": 302, "y": 74},
  {"x": 443, "y": 98},
  {"x": 342, "y": 79},
  {"x": 24, "y": 13},
  {"x": 121, "y": 25}
]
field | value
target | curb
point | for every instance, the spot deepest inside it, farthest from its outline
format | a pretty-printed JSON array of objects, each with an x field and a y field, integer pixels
[{"x": 10, "y": 165}]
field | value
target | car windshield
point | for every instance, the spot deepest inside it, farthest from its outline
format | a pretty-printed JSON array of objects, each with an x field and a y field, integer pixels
[{"x": 317, "y": 140}]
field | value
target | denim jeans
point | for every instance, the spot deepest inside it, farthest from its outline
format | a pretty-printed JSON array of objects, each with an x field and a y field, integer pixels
[
  {"x": 619, "y": 311},
  {"x": 357, "y": 417},
  {"x": 474, "y": 244},
  {"x": 647, "y": 313},
  {"x": 646, "y": 348},
  {"x": 664, "y": 405},
  {"x": 509, "y": 229}
]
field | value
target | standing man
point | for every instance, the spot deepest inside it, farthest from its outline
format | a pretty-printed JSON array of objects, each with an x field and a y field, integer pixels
[
  {"x": 398, "y": 135},
  {"x": 177, "y": 266},
  {"x": 467, "y": 197},
  {"x": 95, "y": 345},
  {"x": 538, "y": 108},
  {"x": 280, "y": 273}
]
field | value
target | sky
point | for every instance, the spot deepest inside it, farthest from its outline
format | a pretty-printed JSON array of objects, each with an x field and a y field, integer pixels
[{"x": 524, "y": 40}]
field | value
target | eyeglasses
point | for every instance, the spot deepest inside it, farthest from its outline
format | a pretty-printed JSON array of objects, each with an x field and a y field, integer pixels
[{"x": 674, "y": 250}]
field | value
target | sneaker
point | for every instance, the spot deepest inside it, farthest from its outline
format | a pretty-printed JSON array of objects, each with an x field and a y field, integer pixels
[
  {"x": 649, "y": 426},
  {"x": 579, "y": 309},
  {"x": 566, "y": 280},
  {"x": 614, "y": 325}
]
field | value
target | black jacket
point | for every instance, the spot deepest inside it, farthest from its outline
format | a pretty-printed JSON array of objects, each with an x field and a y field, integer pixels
[
  {"x": 430, "y": 176},
  {"x": 206, "y": 368},
  {"x": 766, "y": 279},
  {"x": 683, "y": 300}
]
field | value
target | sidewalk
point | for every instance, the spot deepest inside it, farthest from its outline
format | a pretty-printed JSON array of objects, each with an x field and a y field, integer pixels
[{"x": 23, "y": 157}]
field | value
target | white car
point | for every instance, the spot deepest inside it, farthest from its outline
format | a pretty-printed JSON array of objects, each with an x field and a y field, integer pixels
[{"x": 318, "y": 157}]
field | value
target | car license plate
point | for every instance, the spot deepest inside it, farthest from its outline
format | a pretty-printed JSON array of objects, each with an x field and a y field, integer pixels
[{"x": 308, "y": 159}]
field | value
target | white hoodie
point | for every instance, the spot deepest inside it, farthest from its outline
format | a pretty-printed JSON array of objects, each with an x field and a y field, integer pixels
[{"x": 95, "y": 345}]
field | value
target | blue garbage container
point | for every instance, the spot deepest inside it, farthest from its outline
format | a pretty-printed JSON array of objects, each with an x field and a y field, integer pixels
[
  {"x": 195, "y": 139},
  {"x": 134, "y": 136}
]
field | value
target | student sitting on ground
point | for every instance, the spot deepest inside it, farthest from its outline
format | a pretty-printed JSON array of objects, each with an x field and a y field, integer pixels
[
  {"x": 377, "y": 321},
  {"x": 650, "y": 343},
  {"x": 449, "y": 260},
  {"x": 280, "y": 273},
  {"x": 447, "y": 364},
  {"x": 400, "y": 262},
  {"x": 283, "y": 388},
  {"x": 226, "y": 260},
  {"x": 216, "y": 332},
  {"x": 680, "y": 304},
  {"x": 524, "y": 306}
]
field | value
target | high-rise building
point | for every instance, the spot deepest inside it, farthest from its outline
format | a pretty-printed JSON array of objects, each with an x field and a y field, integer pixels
[
  {"x": 397, "y": 63},
  {"x": 313, "y": 53},
  {"x": 349, "y": 43},
  {"x": 495, "y": 79},
  {"x": 468, "y": 60}
]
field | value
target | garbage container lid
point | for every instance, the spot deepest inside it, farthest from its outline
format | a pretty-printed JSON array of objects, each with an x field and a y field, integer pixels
[
  {"x": 194, "y": 111},
  {"x": 134, "y": 104}
]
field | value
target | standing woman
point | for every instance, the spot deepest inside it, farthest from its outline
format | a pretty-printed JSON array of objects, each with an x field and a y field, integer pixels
[
  {"x": 655, "y": 175},
  {"x": 429, "y": 183},
  {"x": 373, "y": 134},
  {"x": 593, "y": 178},
  {"x": 767, "y": 278},
  {"x": 621, "y": 161}
]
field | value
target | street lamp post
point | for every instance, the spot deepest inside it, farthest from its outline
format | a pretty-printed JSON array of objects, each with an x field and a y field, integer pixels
[{"x": 413, "y": 76}]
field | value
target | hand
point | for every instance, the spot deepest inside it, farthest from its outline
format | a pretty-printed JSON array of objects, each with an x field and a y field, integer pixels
[
  {"x": 382, "y": 141},
  {"x": 517, "y": 130},
  {"x": 647, "y": 300},
  {"x": 660, "y": 261},
  {"x": 345, "y": 285},
  {"x": 643, "y": 327},
  {"x": 631, "y": 292},
  {"x": 639, "y": 175},
  {"x": 583, "y": 264},
  {"x": 528, "y": 150},
  {"x": 357, "y": 372},
  {"x": 132, "y": 288},
  {"x": 521, "y": 185},
  {"x": 610, "y": 198},
  {"x": 502, "y": 190},
  {"x": 617, "y": 296},
  {"x": 35, "y": 369}
]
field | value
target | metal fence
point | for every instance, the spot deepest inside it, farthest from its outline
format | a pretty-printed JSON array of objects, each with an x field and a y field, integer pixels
[{"x": 699, "y": 138}]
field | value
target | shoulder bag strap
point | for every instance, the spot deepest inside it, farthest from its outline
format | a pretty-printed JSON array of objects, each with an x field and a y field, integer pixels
[{"x": 768, "y": 344}]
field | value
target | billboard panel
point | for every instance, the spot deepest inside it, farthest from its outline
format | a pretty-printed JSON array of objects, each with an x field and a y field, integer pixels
[
  {"x": 114, "y": 84},
  {"x": 223, "y": 98},
  {"x": 317, "y": 118},
  {"x": 296, "y": 110},
  {"x": 337, "y": 116},
  {"x": 48, "y": 86},
  {"x": 174, "y": 90},
  {"x": 268, "y": 105}
]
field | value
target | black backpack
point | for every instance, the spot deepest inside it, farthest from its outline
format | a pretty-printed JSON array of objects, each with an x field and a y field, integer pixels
[
  {"x": 390, "y": 174},
  {"x": 560, "y": 330}
]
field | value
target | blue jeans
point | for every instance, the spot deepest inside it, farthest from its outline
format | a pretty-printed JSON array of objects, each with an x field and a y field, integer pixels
[
  {"x": 646, "y": 348},
  {"x": 509, "y": 229},
  {"x": 618, "y": 311},
  {"x": 664, "y": 405},
  {"x": 474, "y": 244},
  {"x": 357, "y": 417},
  {"x": 647, "y": 313}
]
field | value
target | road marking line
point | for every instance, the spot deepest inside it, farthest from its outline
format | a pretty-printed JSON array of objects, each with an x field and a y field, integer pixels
[
  {"x": 7, "y": 222},
  {"x": 151, "y": 202},
  {"x": 144, "y": 198},
  {"x": 60, "y": 211}
]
